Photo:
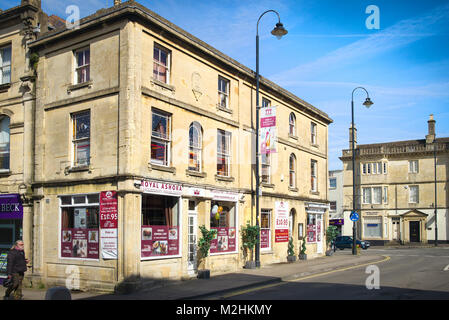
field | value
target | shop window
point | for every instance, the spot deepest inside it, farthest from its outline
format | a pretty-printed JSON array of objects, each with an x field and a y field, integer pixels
[
  {"x": 223, "y": 153},
  {"x": 311, "y": 227},
  {"x": 292, "y": 171},
  {"x": 372, "y": 227},
  {"x": 266, "y": 168},
  {"x": 160, "y": 138},
  {"x": 82, "y": 70},
  {"x": 81, "y": 138},
  {"x": 79, "y": 227},
  {"x": 223, "y": 92},
  {"x": 161, "y": 64},
  {"x": 5, "y": 65},
  {"x": 292, "y": 124},
  {"x": 195, "y": 147},
  {"x": 223, "y": 221},
  {"x": 160, "y": 226},
  {"x": 265, "y": 229},
  {"x": 4, "y": 143}
]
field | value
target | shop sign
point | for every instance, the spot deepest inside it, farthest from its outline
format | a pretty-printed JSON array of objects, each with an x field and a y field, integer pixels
[
  {"x": 195, "y": 192},
  {"x": 163, "y": 188},
  {"x": 281, "y": 221},
  {"x": 108, "y": 224},
  {"x": 336, "y": 222},
  {"x": 268, "y": 134},
  {"x": 218, "y": 195},
  {"x": 11, "y": 206}
]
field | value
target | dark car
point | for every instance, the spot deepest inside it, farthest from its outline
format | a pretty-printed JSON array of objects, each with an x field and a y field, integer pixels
[{"x": 346, "y": 242}]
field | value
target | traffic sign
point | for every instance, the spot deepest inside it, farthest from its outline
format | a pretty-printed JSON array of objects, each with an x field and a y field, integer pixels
[{"x": 354, "y": 216}]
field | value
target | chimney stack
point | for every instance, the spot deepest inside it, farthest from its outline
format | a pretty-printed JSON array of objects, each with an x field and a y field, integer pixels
[
  {"x": 430, "y": 137},
  {"x": 117, "y": 2}
]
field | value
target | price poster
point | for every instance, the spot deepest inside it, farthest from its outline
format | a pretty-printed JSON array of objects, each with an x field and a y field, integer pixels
[
  {"x": 108, "y": 224},
  {"x": 281, "y": 221}
]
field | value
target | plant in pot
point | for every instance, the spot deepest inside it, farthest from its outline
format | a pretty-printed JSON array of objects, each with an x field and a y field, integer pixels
[
  {"x": 203, "y": 249},
  {"x": 249, "y": 241},
  {"x": 291, "y": 251},
  {"x": 302, "y": 253},
  {"x": 331, "y": 234}
]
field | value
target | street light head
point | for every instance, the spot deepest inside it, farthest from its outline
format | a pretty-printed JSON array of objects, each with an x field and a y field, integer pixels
[
  {"x": 279, "y": 31},
  {"x": 368, "y": 103}
]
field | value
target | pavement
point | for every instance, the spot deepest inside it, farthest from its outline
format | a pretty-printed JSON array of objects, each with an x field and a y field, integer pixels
[{"x": 222, "y": 284}]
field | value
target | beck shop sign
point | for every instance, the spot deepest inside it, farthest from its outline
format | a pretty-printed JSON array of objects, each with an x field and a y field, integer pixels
[
  {"x": 11, "y": 206},
  {"x": 108, "y": 224},
  {"x": 281, "y": 221}
]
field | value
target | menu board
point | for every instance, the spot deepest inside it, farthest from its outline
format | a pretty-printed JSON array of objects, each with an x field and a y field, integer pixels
[
  {"x": 159, "y": 241},
  {"x": 264, "y": 238},
  {"x": 224, "y": 240},
  {"x": 79, "y": 243}
]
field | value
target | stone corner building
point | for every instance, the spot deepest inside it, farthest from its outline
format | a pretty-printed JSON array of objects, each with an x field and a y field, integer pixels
[
  {"x": 139, "y": 133},
  {"x": 395, "y": 189}
]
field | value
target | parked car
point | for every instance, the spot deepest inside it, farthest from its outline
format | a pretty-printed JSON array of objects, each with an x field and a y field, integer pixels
[{"x": 342, "y": 242}]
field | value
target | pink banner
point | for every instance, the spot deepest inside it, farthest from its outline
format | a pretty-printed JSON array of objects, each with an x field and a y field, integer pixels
[
  {"x": 264, "y": 238},
  {"x": 159, "y": 241},
  {"x": 79, "y": 243},
  {"x": 224, "y": 240}
]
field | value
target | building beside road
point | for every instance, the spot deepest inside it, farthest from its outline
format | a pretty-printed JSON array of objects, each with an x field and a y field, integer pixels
[
  {"x": 395, "y": 189},
  {"x": 139, "y": 133}
]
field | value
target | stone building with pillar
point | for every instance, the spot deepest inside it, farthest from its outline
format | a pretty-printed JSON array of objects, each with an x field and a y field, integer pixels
[
  {"x": 141, "y": 133},
  {"x": 402, "y": 189}
]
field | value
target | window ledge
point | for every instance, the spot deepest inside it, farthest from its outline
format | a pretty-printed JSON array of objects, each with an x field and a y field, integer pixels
[
  {"x": 314, "y": 145},
  {"x": 293, "y": 189},
  {"x": 5, "y": 87},
  {"x": 268, "y": 185},
  {"x": 78, "y": 86},
  {"x": 77, "y": 169},
  {"x": 163, "y": 84},
  {"x": 316, "y": 193},
  {"x": 5, "y": 172},
  {"x": 196, "y": 174},
  {"x": 153, "y": 166},
  {"x": 219, "y": 107},
  {"x": 293, "y": 137},
  {"x": 223, "y": 178}
]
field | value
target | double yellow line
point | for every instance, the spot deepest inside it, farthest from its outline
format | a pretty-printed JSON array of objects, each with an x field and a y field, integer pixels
[{"x": 236, "y": 293}]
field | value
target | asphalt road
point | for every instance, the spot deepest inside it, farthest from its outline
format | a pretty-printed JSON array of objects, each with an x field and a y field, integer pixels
[{"x": 408, "y": 274}]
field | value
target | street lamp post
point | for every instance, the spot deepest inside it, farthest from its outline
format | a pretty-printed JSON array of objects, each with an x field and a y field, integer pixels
[
  {"x": 435, "y": 185},
  {"x": 368, "y": 103},
  {"x": 278, "y": 31}
]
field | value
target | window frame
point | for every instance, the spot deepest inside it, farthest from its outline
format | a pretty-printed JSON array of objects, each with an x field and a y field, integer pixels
[
  {"x": 225, "y": 153},
  {"x": 226, "y": 93},
  {"x": 292, "y": 124},
  {"x": 266, "y": 165},
  {"x": 411, "y": 196},
  {"x": 196, "y": 150},
  {"x": 4, "y": 65},
  {"x": 266, "y": 103},
  {"x": 413, "y": 166},
  {"x": 267, "y": 212},
  {"x": 76, "y": 141},
  {"x": 158, "y": 63},
  {"x": 314, "y": 175},
  {"x": 7, "y": 147},
  {"x": 165, "y": 139},
  {"x": 292, "y": 171},
  {"x": 314, "y": 133},
  {"x": 85, "y": 66}
]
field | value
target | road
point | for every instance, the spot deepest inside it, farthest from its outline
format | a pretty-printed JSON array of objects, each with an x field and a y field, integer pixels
[{"x": 406, "y": 274}]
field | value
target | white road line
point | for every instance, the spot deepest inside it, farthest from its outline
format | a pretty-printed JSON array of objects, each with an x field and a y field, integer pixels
[{"x": 447, "y": 268}]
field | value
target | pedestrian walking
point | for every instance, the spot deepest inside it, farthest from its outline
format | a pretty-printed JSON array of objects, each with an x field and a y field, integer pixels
[{"x": 16, "y": 268}]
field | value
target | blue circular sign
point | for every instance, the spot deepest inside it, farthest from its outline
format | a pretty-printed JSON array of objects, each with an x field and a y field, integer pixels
[{"x": 354, "y": 216}]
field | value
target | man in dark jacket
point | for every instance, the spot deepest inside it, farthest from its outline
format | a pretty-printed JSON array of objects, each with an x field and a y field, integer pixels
[{"x": 16, "y": 267}]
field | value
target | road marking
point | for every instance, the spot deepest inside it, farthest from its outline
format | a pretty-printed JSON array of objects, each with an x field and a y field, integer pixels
[
  {"x": 447, "y": 268},
  {"x": 236, "y": 293}
]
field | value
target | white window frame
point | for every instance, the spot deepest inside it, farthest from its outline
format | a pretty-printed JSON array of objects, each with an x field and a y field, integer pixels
[
  {"x": 196, "y": 149},
  {"x": 413, "y": 198},
  {"x": 385, "y": 195},
  {"x": 223, "y": 92},
  {"x": 225, "y": 152},
  {"x": 373, "y": 198},
  {"x": 158, "y": 63},
  {"x": 366, "y": 193},
  {"x": 162, "y": 139},
  {"x": 266, "y": 165},
  {"x": 292, "y": 124},
  {"x": 269, "y": 212},
  {"x": 292, "y": 171},
  {"x": 364, "y": 168},
  {"x": 85, "y": 66},
  {"x": 314, "y": 175},
  {"x": 5, "y": 65},
  {"x": 385, "y": 167},
  {"x": 76, "y": 141},
  {"x": 330, "y": 184},
  {"x": 314, "y": 133},
  {"x": 5, "y": 143},
  {"x": 413, "y": 166},
  {"x": 266, "y": 102}
]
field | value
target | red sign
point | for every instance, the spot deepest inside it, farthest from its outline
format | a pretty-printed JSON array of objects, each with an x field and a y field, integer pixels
[
  {"x": 281, "y": 235},
  {"x": 108, "y": 210},
  {"x": 311, "y": 233},
  {"x": 79, "y": 243},
  {"x": 264, "y": 238},
  {"x": 159, "y": 241},
  {"x": 224, "y": 240}
]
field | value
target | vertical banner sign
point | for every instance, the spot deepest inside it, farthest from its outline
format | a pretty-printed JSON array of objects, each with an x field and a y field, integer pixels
[
  {"x": 268, "y": 134},
  {"x": 281, "y": 221},
  {"x": 108, "y": 224}
]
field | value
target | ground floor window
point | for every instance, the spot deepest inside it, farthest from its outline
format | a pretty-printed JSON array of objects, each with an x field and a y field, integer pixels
[
  {"x": 372, "y": 227},
  {"x": 160, "y": 226},
  {"x": 223, "y": 220},
  {"x": 265, "y": 229},
  {"x": 79, "y": 226},
  {"x": 311, "y": 228}
]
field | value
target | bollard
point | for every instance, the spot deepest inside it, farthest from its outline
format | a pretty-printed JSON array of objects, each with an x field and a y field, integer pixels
[{"x": 58, "y": 293}]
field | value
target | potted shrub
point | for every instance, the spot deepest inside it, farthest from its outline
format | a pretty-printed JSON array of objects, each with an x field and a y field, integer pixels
[
  {"x": 203, "y": 249},
  {"x": 331, "y": 234},
  {"x": 302, "y": 253},
  {"x": 249, "y": 241},
  {"x": 290, "y": 251}
]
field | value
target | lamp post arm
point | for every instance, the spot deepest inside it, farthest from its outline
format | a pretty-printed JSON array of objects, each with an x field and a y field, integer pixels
[
  {"x": 359, "y": 88},
  {"x": 279, "y": 18}
]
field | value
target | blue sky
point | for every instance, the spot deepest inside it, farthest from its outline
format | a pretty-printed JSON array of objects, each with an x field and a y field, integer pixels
[{"x": 327, "y": 53}]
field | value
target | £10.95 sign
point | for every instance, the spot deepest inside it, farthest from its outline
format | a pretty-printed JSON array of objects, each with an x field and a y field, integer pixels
[{"x": 281, "y": 221}]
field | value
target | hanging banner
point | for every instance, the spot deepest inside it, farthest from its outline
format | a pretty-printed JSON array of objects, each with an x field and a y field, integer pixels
[
  {"x": 268, "y": 132},
  {"x": 108, "y": 224},
  {"x": 281, "y": 221}
]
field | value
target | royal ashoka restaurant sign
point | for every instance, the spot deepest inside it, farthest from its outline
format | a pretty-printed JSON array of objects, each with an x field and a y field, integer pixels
[
  {"x": 11, "y": 206},
  {"x": 162, "y": 188}
]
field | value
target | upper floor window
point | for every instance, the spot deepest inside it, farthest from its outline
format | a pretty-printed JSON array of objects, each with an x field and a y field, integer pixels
[
  {"x": 160, "y": 138},
  {"x": 4, "y": 142},
  {"x": 333, "y": 206},
  {"x": 313, "y": 130},
  {"x": 223, "y": 153},
  {"x": 81, "y": 138},
  {"x": 314, "y": 175},
  {"x": 82, "y": 70},
  {"x": 374, "y": 168},
  {"x": 266, "y": 168},
  {"x": 266, "y": 103},
  {"x": 413, "y": 166},
  {"x": 372, "y": 195},
  {"x": 5, "y": 65},
  {"x": 195, "y": 146},
  {"x": 292, "y": 124},
  {"x": 332, "y": 183},
  {"x": 292, "y": 169},
  {"x": 161, "y": 64},
  {"x": 223, "y": 92},
  {"x": 413, "y": 194}
]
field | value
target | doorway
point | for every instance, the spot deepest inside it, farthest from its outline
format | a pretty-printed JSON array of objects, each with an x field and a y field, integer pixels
[
  {"x": 192, "y": 237},
  {"x": 396, "y": 228},
  {"x": 414, "y": 231}
]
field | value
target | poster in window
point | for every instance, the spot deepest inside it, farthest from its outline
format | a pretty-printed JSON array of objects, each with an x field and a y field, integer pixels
[
  {"x": 159, "y": 241},
  {"x": 265, "y": 238},
  {"x": 77, "y": 243},
  {"x": 281, "y": 221},
  {"x": 224, "y": 240},
  {"x": 108, "y": 225}
]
